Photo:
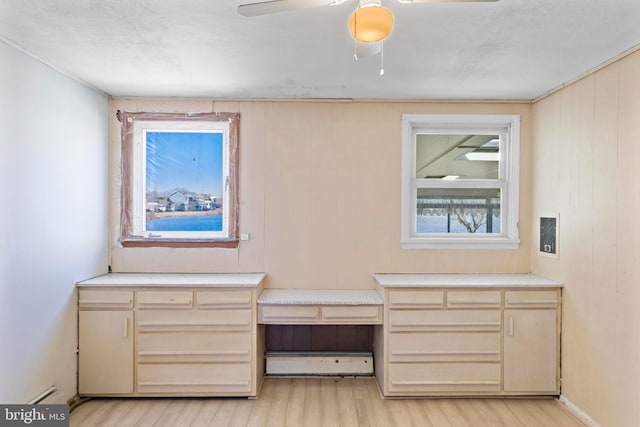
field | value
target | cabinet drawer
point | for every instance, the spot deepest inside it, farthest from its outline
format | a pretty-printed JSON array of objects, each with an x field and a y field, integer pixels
[
  {"x": 288, "y": 314},
  {"x": 444, "y": 347},
  {"x": 474, "y": 299},
  {"x": 194, "y": 347},
  {"x": 531, "y": 299},
  {"x": 416, "y": 299},
  {"x": 443, "y": 377},
  {"x": 90, "y": 298},
  {"x": 194, "y": 378},
  {"x": 359, "y": 314},
  {"x": 164, "y": 299},
  {"x": 223, "y": 299},
  {"x": 192, "y": 321},
  {"x": 445, "y": 320}
]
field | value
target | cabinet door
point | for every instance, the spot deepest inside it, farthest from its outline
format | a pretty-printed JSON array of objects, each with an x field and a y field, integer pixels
[
  {"x": 106, "y": 352},
  {"x": 530, "y": 351}
]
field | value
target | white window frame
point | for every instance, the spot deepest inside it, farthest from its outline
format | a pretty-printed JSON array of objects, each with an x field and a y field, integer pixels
[
  {"x": 508, "y": 127},
  {"x": 140, "y": 129}
]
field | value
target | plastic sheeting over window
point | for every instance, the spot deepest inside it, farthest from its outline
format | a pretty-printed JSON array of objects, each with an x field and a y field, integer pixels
[{"x": 179, "y": 179}]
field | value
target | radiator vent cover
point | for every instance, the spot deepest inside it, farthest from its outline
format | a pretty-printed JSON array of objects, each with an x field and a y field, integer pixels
[{"x": 316, "y": 363}]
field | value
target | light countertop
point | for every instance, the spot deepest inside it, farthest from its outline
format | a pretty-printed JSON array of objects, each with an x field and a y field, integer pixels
[
  {"x": 236, "y": 280},
  {"x": 464, "y": 280},
  {"x": 319, "y": 297}
]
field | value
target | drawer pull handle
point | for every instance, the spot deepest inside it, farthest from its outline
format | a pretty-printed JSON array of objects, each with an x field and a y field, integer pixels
[
  {"x": 182, "y": 384},
  {"x": 173, "y": 302},
  {"x": 405, "y": 383},
  {"x": 447, "y": 353},
  {"x": 267, "y": 317},
  {"x": 418, "y": 304},
  {"x": 224, "y": 304},
  {"x": 552, "y": 302},
  {"x": 435, "y": 324},
  {"x": 478, "y": 303},
  {"x": 193, "y": 353},
  {"x": 221, "y": 323},
  {"x": 102, "y": 302},
  {"x": 372, "y": 316}
]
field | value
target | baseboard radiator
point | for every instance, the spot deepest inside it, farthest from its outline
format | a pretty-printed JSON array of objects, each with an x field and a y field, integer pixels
[
  {"x": 319, "y": 363},
  {"x": 42, "y": 396}
]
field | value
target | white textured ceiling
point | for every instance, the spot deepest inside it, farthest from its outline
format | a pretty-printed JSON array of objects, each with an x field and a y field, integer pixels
[{"x": 511, "y": 49}]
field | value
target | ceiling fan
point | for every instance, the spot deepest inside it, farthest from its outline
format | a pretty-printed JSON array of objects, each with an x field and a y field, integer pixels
[{"x": 369, "y": 25}]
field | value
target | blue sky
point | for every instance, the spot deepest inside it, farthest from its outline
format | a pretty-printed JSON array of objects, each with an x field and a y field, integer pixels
[{"x": 191, "y": 160}]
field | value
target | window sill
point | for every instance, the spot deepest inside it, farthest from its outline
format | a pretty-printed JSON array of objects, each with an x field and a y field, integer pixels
[
  {"x": 179, "y": 243},
  {"x": 487, "y": 243}
]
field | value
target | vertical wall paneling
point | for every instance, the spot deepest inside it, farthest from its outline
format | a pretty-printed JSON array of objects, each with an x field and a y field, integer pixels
[{"x": 586, "y": 155}]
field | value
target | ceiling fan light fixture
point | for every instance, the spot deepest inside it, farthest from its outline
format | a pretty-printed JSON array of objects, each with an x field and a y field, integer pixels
[{"x": 371, "y": 23}]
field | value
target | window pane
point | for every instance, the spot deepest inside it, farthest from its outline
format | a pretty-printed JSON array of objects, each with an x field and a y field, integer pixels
[
  {"x": 458, "y": 211},
  {"x": 457, "y": 156},
  {"x": 184, "y": 181}
]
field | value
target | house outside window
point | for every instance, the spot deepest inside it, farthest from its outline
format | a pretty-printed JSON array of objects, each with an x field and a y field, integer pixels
[
  {"x": 460, "y": 183},
  {"x": 180, "y": 179}
]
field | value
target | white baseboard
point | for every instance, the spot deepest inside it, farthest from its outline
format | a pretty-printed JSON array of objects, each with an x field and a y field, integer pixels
[{"x": 579, "y": 412}]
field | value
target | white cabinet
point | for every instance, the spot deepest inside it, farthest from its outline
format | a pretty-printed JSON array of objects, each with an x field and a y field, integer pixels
[
  {"x": 105, "y": 338},
  {"x": 206, "y": 348},
  {"x": 161, "y": 337},
  {"x": 531, "y": 343},
  {"x": 456, "y": 341}
]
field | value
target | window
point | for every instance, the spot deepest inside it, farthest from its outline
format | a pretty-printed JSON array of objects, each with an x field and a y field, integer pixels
[
  {"x": 179, "y": 184},
  {"x": 460, "y": 181}
]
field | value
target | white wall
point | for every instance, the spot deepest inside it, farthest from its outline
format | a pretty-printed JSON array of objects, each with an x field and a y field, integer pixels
[
  {"x": 53, "y": 220},
  {"x": 586, "y": 156}
]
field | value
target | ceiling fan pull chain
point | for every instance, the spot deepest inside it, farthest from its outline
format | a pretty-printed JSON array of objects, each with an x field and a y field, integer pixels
[{"x": 382, "y": 58}]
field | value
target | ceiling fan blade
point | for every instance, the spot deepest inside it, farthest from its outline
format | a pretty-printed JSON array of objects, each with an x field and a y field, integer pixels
[
  {"x": 275, "y": 6},
  {"x": 446, "y": 1}
]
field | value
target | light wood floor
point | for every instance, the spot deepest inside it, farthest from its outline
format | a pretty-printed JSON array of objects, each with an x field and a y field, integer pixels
[{"x": 331, "y": 402}]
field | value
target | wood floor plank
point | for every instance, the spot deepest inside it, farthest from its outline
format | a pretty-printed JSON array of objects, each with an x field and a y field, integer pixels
[
  {"x": 544, "y": 411},
  {"x": 562, "y": 408},
  {"x": 243, "y": 413},
  {"x": 295, "y": 406},
  {"x": 330, "y": 402},
  {"x": 207, "y": 413},
  {"x": 435, "y": 413},
  {"x": 364, "y": 406},
  {"x": 486, "y": 413},
  {"x": 260, "y": 408},
  {"x": 454, "y": 417},
  {"x": 180, "y": 413},
  {"x": 346, "y": 406},
  {"x": 501, "y": 407},
  {"x": 417, "y": 414},
  {"x": 312, "y": 409},
  {"x": 155, "y": 412},
  {"x": 224, "y": 413},
  {"x": 82, "y": 411},
  {"x": 278, "y": 410},
  {"x": 518, "y": 408},
  {"x": 135, "y": 409},
  {"x": 381, "y": 413},
  {"x": 100, "y": 413}
]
